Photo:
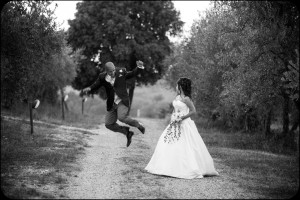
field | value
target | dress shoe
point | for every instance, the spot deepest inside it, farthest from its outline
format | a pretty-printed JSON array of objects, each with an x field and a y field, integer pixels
[
  {"x": 129, "y": 136},
  {"x": 141, "y": 128}
]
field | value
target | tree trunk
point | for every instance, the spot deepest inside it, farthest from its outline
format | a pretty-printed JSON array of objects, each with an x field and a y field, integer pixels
[
  {"x": 82, "y": 106},
  {"x": 8, "y": 101},
  {"x": 285, "y": 114},
  {"x": 30, "y": 115},
  {"x": 291, "y": 137},
  {"x": 246, "y": 124},
  {"x": 295, "y": 116},
  {"x": 66, "y": 106},
  {"x": 62, "y": 108},
  {"x": 295, "y": 125},
  {"x": 131, "y": 92},
  {"x": 267, "y": 127},
  {"x": 62, "y": 104}
]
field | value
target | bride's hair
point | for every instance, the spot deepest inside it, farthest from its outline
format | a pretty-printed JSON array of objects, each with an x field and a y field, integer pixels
[{"x": 186, "y": 86}]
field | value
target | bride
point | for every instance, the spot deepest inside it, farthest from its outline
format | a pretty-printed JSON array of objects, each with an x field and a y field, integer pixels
[{"x": 180, "y": 150}]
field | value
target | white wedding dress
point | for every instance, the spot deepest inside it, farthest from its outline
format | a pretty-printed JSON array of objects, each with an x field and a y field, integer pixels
[{"x": 181, "y": 155}]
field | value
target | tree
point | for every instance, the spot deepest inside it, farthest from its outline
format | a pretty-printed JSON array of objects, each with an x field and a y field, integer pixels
[
  {"x": 123, "y": 32},
  {"x": 33, "y": 58},
  {"x": 237, "y": 55},
  {"x": 269, "y": 31},
  {"x": 195, "y": 58}
]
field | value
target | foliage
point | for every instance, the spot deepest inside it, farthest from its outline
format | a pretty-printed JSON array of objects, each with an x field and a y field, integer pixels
[
  {"x": 242, "y": 60},
  {"x": 34, "y": 56},
  {"x": 194, "y": 58},
  {"x": 266, "y": 39},
  {"x": 291, "y": 78},
  {"x": 122, "y": 32}
]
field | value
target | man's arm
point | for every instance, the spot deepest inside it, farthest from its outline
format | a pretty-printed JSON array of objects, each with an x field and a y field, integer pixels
[
  {"x": 130, "y": 74},
  {"x": 94, "y": 86}
]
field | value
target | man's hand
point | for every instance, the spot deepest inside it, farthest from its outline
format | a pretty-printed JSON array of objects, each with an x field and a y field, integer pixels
[
  {"x": 86, "y": 90},
  {"x": 140, "y": 64}
]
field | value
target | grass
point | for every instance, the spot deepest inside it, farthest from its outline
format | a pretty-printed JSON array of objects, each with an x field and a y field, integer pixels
[
  {"x": 94, "y": 112},
  {"x": 152, "y": 101},
  {"x": 29, "y": 163},
  {"x": 242, "y": 140},
  {"x": 36, "y": 166},
  {"x": 264, "y": 174}
]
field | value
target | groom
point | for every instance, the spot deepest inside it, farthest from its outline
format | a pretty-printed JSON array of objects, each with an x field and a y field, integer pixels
[{"x": 117, "y": 104}]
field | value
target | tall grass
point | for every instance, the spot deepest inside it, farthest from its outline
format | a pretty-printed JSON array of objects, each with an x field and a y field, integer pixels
[
  {"x": 42, "y": 159},
  {"x": 94, "y": 111},
  {"x": 153, "y": 101},
  {"x": 244, "y": 140}
]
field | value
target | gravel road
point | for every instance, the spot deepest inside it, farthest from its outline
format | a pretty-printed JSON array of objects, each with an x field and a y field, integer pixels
[{"x": 110, "y": 170}]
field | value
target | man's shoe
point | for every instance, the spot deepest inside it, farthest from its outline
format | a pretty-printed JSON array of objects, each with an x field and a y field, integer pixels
[
  {"x": 129, "y": 136},
  {"x": 141, "y": 128}
]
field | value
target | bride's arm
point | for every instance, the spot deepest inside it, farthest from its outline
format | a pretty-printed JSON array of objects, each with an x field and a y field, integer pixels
[{"x": 191, "y": 106}]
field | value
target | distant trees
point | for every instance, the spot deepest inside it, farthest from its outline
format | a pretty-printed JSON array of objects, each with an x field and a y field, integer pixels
[
  {"x": 269, "y": 42},
  {"x": 35, "y": 59},
  {"x": 122, "y": 32},
  {"x": 243, "y": 59}
]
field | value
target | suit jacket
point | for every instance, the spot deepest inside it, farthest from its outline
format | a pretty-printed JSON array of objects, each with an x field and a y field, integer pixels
[{"x": 119, "y": 87}]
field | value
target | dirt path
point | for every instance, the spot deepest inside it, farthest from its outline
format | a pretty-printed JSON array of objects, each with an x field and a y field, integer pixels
[{"x": 110, "y": 170}]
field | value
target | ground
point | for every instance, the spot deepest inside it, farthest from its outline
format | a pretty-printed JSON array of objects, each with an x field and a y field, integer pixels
[
  {"x": 104, "y": 168},
  {"x": 111, "y": 170}
]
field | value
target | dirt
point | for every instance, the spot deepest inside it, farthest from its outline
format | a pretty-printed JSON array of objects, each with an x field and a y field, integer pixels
[{"x": 110, "y": 170}]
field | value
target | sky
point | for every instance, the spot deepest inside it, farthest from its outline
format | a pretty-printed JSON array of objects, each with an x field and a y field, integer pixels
[{"x": 188, "y": 12}]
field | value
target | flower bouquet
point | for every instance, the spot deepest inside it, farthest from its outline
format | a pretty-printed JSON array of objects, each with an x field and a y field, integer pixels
[{"x": 173, "y": 131}]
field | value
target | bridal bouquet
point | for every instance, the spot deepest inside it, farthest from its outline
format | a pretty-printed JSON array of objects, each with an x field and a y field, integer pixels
[{"x": 173, "y": 131}]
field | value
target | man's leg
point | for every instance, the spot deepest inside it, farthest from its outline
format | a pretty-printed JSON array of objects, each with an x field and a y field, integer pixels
[
  {"x": 123, "y": 117},
  {"x": 111, "y": 122}
]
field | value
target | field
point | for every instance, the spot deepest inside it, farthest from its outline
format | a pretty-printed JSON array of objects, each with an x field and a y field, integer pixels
[
  {"x": 43, "y": 165},
  {"x": 153, "y": 101}
]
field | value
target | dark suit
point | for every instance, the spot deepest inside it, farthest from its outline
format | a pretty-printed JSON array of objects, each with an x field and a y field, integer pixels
[{"x": 119, "y": 111}]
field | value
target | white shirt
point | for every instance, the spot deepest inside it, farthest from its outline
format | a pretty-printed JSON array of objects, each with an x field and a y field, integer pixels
[{"x": 111, "y": 80}]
